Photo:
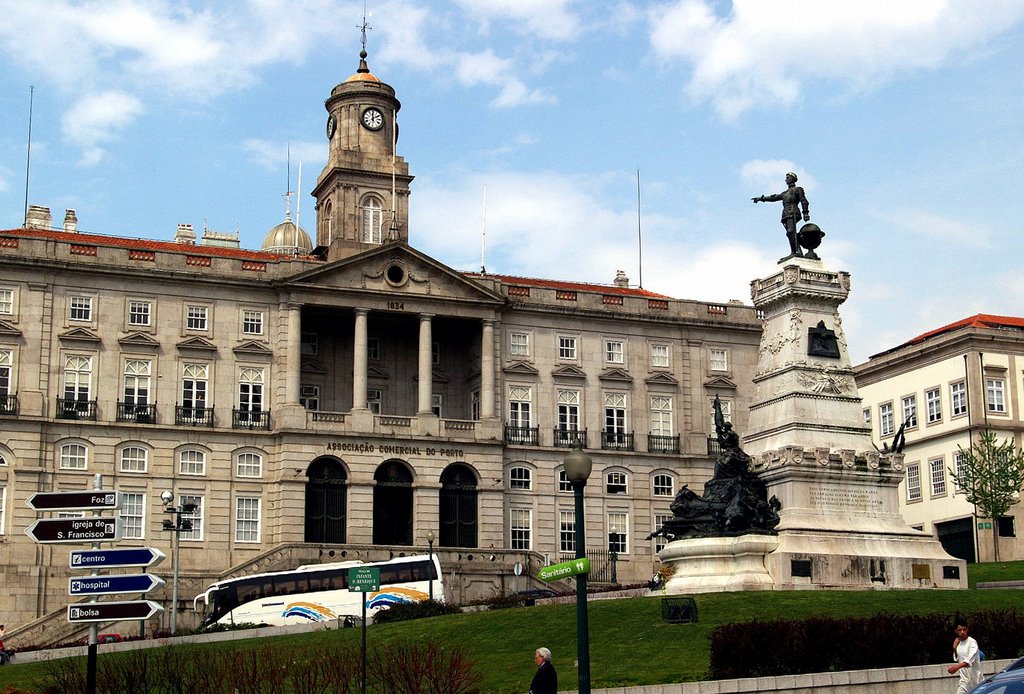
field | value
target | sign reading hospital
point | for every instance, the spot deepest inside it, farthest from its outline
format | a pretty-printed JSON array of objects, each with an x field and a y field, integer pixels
[
  {"x": 114, "y": 585},
  {"x": 566, "y": 569}
]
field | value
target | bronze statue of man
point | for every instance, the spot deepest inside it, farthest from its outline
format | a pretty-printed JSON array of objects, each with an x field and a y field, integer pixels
[{"x": 793, "y": 201}]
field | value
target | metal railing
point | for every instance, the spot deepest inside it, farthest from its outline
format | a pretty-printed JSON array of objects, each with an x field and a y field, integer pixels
[
  {"x": 250, "y": 419},
  {"x": 567, "y": 438},
  {"x": 193, "y": 416},
  {"x": 70, "y": 408},
  {"x": 658, "y": 443},
  {"x": 714, "y": 448},
  {"x": 8, "y": 404},
  {"x": 615, "y": 441},
  {"x": 140, "y": 414},
  {"x": 523, "y": 436}
]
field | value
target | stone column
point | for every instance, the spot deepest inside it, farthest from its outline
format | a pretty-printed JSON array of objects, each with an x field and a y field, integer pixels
[
  {"x": 425, "y": 371},
  {"x": 359, "y": 349},
  {"x": 487, "y": 370},
  {"x": 294, "y": 351}
]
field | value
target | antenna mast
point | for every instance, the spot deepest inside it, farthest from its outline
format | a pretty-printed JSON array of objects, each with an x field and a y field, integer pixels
[
  {"x": 639, "y": 234},
  {"x": 298, "y": 208},
  {"x": 483, "y": 239},
  {"x": 28, "y": 154}
]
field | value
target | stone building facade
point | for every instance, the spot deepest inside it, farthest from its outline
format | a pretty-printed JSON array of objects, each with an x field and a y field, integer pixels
[{"x": 345, "y": 397}]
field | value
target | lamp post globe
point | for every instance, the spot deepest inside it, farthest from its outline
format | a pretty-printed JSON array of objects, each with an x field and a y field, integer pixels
[
  {"x": 430, "y": 551},
  {"x": 578, "y": 466},
  {"x": 167, "y": 497}
]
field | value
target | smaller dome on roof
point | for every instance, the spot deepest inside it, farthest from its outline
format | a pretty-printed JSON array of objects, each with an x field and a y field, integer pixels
[{"x": 286, "y": 237}]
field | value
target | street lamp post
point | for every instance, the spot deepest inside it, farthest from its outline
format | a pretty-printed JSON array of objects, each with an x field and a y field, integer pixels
[
  {"x": 577, "y": 469},
  {"x": 176, "y": 526},
  {"x": 430, "y": 551}
]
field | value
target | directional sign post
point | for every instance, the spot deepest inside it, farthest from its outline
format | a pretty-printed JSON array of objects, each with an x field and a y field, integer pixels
[
  {"x": 113, "y": 611},
  {"x": 72, "y": 530},
  {"x": 114, "y": 585},
  {"x": 360, "y": 580},
  {"x": 94, "y": 500},
  {"x": 115, "y": 558},
  {"x": 566, "y": 569}
]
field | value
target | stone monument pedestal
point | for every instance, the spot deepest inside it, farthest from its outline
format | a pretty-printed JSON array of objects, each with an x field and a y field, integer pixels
[{"x": 717, "y": 564}]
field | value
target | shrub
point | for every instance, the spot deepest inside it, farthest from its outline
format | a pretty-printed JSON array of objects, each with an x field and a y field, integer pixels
[
  {"x": 414, "y": 610},
  {"x": 422, "y": 668}
]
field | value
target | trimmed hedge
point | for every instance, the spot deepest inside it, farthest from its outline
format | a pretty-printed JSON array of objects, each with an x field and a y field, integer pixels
[
  {"x": 827, "y": 644},
  {"x": 399, "y": 612}
]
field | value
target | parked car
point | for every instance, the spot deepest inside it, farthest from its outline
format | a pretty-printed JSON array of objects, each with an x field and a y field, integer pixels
[{"x": 1009, "y": 680}]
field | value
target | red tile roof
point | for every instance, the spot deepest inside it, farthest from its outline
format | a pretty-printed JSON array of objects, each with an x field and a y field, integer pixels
[
  {"x": 980, "y": 320},
  {"x": 143, "y": 244},
  {"x": 570, "y": 286}
]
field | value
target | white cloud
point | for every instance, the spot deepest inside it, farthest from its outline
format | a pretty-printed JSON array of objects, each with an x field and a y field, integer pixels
[
  {"x": 769, "y": 175},
  {"x": 97, "y": 118},
  {"x": 548, "y": 19},
  {"x": 273, "y": 156},
  {"x": 761, "y": 53},
  {"x": 928, "y": 225}
]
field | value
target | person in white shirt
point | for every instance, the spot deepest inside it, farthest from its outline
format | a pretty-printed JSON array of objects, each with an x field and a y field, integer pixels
[{"x": 967, "y": 660}]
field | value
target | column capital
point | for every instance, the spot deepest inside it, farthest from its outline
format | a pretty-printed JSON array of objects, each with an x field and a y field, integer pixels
[{"x": 361, "y": 311}]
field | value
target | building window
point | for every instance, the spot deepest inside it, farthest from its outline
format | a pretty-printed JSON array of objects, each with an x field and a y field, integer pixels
[
  {"x": 959, "y": 463},
  {"x": 77, "y": 378},
  {"x": 373, "y": 349},
  {"x": 249, "y": 465},
  {"x": 520, "y": 526},
  {"x": 566, "y": 348},
  {"x": 136, "y": 382},
  {"x": 660, "y": 356},
  {"x": 914, "y": 482},
  {"x": 247, "y": 519},
  {"x": 6, "y": 302},
  {"x": 133, "y": 515},
  {"x": 310, "y": 344},
  {"x": 885, "y": 419},
  {"x": 192, "y": 462},
  {"x": 564, "y": 485},
  {"x": 719, "y": 359},
  {"x": 615, "y": 351},
  {"x": 520, "y": 478},
  {"x": 519, "y": 344},
  {"x": 568, "y": 410},
  {"x": 195, "y": 518},
  {"x": 664, "y": 485},
  {"x": 74, "y": 456},
  {"x": 995, "y": 395},
  {"x": 958, "y": 398},
  {"x": 6, "y": 367},
  {"x": 195, "y": 378},
  {"x": 140, "y": 313},
  {"x": 933, "y": 404},
  {"x": 618, "y": 533},
  {"x": 867, "y": 415},
  {"x": 661, "y": 415},
  {"x": 566, "y": 531},
  {"x": 519, "y": 398},
  {"x": 474, "y": 405},
  {"x": 659, "y": 521},
  {"x": 134, "y": 459},
  {"x": 252, "y": 322},
  {"x": 250, "y": 389},
  {"x": 1005, "y": 524},
  {"x": 938, "y": 472},
  {"x": 309, "y": 397},
  {"x": 374, "y": 400},
  {"x": 81, "y": 308},
  {"x": 436, "y": 402},
  {"x": 3, "y": 507},
  {"x": 615, "y": 413},
  {"x": 616, "y": 483},
  {"x": 196, "y": 318},
  {"x": 373, "y": 220},
  {"x": 726, "y": 412},
  {"x": 910, "y": 410}
]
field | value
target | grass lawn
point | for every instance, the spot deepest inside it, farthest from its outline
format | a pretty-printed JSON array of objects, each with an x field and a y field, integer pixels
[{"x": 630, "y": 644}]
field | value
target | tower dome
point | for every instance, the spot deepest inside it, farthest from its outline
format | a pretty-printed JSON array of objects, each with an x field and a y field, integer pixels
[{"x": 287, "y": 238}]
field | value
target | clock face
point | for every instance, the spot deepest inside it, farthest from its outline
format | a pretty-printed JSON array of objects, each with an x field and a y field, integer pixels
[
  {"x": 372, "y": 119},
  {"x": 332, "y": 125}
]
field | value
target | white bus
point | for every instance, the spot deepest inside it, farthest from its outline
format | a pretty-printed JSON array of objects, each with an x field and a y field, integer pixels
[{"x": 317, "y": 592}]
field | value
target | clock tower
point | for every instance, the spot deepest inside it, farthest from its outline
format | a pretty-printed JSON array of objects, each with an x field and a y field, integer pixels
[{"x": 362, "y": 195}]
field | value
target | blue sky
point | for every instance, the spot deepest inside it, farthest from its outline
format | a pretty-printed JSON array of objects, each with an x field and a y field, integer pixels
[{"x": 904, "y": 120}]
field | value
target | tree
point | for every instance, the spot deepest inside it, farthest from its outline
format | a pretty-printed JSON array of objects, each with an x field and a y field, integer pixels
[{"x": 991, "y": 475}]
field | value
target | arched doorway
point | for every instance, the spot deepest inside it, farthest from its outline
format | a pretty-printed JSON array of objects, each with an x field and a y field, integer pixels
[
  {"x": 458, "y": 507},
  {"x": 392, "y": 504},
  {"x": 326, "y": 494}
]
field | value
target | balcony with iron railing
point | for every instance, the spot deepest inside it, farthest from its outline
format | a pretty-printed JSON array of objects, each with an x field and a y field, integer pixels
[
  {"x": 659, "y": 443},
  {"x": 72, "y": 408},
  {"x": 522, "y": 436},
  {"x": 616, "y": 441},
  {"x": 567, "y": 438},
  {"x": 250, "y": 419},
  {"x": 8, "y": 405},
  {"x": 186, "y": 415},
  {"x": 714, "y": 448},
  {"x": 137, "y": 413}
]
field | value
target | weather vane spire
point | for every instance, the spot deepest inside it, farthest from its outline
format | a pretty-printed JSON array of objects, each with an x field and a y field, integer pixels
[{"x": 363, "y": 29}]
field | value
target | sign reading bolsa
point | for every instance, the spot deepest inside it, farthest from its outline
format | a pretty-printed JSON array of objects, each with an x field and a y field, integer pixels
[
  {"x": 51, "y": 530},
  {"x": 95, "y": 500},
  {"x": 113, "y": 611},
  {"x": 564, "y": 570},
  {"x": 115, "y": 558}
]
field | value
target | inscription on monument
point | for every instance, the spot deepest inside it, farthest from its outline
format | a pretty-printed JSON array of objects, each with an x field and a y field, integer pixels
[{"x": 862, "y": 500}]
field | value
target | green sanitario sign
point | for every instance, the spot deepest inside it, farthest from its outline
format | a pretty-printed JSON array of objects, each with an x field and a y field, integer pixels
[
  {"x": 363, "y": 580},
  {"x": 564, "y": 570}
]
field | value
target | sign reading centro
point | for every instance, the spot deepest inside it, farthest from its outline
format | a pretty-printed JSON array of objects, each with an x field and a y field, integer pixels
[{"x": 564, "y": 570}]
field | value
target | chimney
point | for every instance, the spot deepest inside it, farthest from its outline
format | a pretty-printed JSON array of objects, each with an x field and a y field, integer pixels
[
  {"x": 185, "y": 234},
  {"x": 38, "y": 217},
  {"x": 70, "y": 222},
  {"x": 621, "y": 280}
]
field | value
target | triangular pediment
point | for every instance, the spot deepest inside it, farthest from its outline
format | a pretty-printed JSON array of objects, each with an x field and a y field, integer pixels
[
  {"x": 396, "y": 269},
  {"x": 313, "y": 366},
  {"x": 661, "y": 378},
  {"x": 520, "y": 368},
  {"x": 376, "y": 372},
  {"x": 569, "y": 371},
  {"x": 253, "y": 348},
  {"x": 138, "y": 339},
  {"x": 8, "y": 330},
  {"x": 720, "y": 383},
  {"x": 80, "y": 335},
  {"x": 197, "y": 343},
  {"x": 615, "y": 375}
]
